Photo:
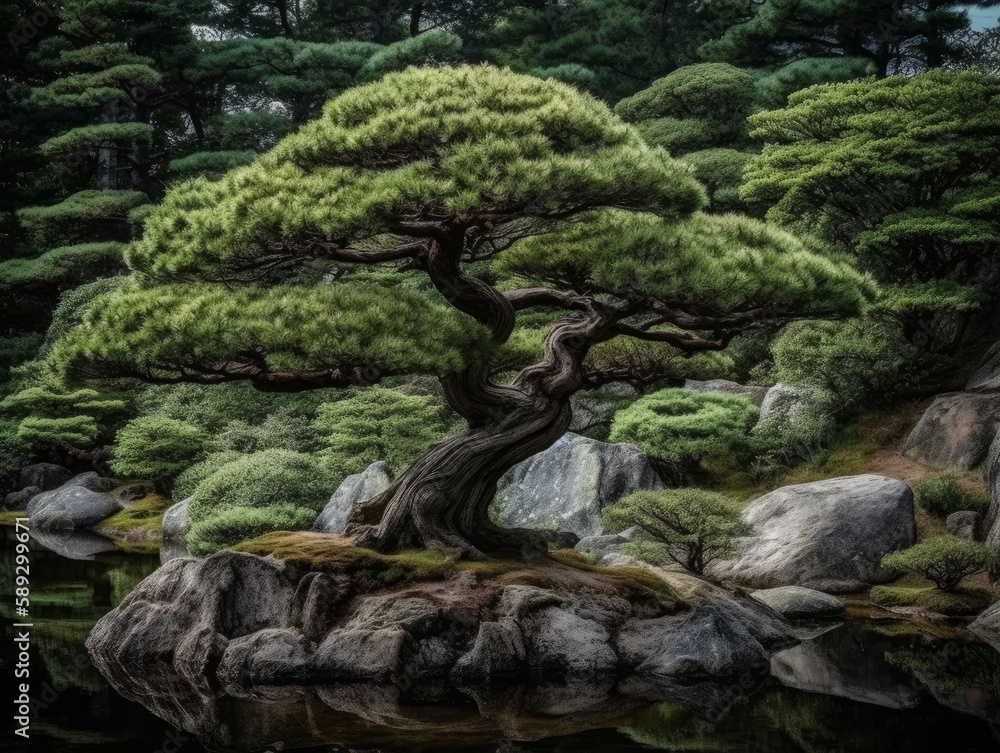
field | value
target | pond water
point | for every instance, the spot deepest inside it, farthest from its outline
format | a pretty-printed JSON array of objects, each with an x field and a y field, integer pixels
[{"x": 862, "y": 687}]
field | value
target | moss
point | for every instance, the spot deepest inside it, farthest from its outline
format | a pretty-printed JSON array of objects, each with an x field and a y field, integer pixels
[
  {"x": 143, "y": 520},
  {"x": 964, "y": 601},
  {"x": 563, "y": 570},
  {"x": 9, "y": 517}
]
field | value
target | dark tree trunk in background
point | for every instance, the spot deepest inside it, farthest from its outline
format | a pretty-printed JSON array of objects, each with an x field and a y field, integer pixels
[{"x": 107, "y": 153}]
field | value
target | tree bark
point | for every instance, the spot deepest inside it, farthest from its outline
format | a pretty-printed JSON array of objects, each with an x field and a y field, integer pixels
[{"x": 442, "y": 500}]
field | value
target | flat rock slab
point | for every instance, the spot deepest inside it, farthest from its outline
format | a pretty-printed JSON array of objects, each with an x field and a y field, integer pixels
[
  {"x": 71, "y": 507},
  {"x": 358, "y": 487},
  {"x": 796, "y": 602},
  {"x": 956, "y": 430},
  {"x": 827, "y": 535},
  {"x": 566, "y": 486}
]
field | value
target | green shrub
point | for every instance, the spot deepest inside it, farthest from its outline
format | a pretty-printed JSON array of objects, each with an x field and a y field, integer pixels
[
  {"x": 943, "y": 560},
  {"x": 276, "y": 432},
  {"x": 677, "y": 428},
  {"x": 860, "y": 361},
  {"x": 691, "y": 527},
  {"x": 187, "y": 482},
  {"x": 792, "y": 433},
  {"x": 377, "y": 424},
  {"x": 54, "y": 417},
  {"x": 273, "y": 490},
  {"x": 157, "y": 448},
  {"x": 943, "y": 495},
  {"x": 961, "y": 601},
  {"x": 14, "y": 455}
]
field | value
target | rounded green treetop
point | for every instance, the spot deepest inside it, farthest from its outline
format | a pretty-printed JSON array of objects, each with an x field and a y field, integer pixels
[{"x": 483, "y": 202}]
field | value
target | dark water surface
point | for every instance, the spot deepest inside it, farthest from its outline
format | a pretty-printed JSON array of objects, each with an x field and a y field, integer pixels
[{"x": 863, "y": 687}]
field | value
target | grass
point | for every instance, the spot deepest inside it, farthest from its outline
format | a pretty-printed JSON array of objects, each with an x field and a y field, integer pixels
[
  {"x": 564, "y": 570},
  {"x": 142, "y": 521},
  {"x": 968, "y": 600},
  {"x": 10, "y": 517}
]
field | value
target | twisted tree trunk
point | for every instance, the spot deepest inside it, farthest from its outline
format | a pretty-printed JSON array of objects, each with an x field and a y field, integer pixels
[{"x": 442, "y": 500}]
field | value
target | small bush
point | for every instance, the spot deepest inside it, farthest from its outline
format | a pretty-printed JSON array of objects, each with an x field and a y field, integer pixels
[
  {"x": 187, "y": 482},
  {"x": 691, "y": 527},
  {"x": 943, "y": 495},
  {"x": 962, "y": 601},
  {"x": 277, "y": 432},
  {"x": 274, "y": 490},
  {"x": 377, "y": 424},
  {"x": 677, "y": 428},
  {"x": 157, "y": 448},
  {"x": 795, "y": 432},
  {"x": 943, "y": 560}
]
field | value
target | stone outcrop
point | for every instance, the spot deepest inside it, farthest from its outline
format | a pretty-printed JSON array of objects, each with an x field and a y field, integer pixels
[
  {"x": 358, "y": 487},
  {"x": 567, "y": 486},
  {"x": 828, "y": 535},
  {"x": 965, "y": 524},
  {"x": 176, "y": 522},
  {"x": 255, "y": 625},
  {"x": 45, "y": 476},
  {"x": 956, "y": 430},
  {"x": 986, "y": 378}
]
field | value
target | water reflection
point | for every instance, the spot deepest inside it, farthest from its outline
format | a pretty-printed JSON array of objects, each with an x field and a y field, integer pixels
[{"x": 853, "y": 689}]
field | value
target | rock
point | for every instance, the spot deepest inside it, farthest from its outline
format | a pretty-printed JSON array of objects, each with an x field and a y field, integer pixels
[
  {"x": 415, "y": 615},
  {"x": 986, "y": 378},
  {"x": 177, "y": 623},
  {"x": 373, "y": 480},
  {"x": 19, "y": 500},
  {"x": 987, "y": 625},
  {"x": 497, "y": 654},
  {"x": 561, "y": 642},
  {"x": 273, "y": 656},
  {"x": 991, "y": 524},
  {"x": 757, "y": 394},
  {"x": 567, "y": 486},
  {"x": 710, "y": 643},
  {"x": 594, "y": 408},
  {"x": 795, "y": 602},
  {"x": 965, "y": 524},
  {"x": 828, "y": 535},
  {"x": 602, "y": 545},
  {"x": 45, "y": 476},
  {"x": 176, "y": 522},
  {"x": 783, "y": 402},
  {"x": 92, "y": 481},
  {"x": 70, "y": 507},
  {"x": 955, "y": 431},
  {"x": 361, "y": 654}
]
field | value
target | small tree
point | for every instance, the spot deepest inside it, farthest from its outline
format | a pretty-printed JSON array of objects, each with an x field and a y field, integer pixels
[
  {"x": 677, "y": 428},
  {"x": 157, "y": 448},
  {"x": 944, "y": 560},
  {"x": 692, "y": 527}
]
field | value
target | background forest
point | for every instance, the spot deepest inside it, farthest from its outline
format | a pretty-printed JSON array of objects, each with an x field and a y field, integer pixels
[{"x": 868, "y": 128}]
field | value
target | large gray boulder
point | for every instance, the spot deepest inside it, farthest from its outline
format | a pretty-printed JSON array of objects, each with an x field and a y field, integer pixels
[
  {"x": 70, "y": 507},
  {"x": 358, "y": 487},
  {"x": 176, "y": 522},
  {"x": 566, "y": 486},
  {"x": 92, "y": 481},
  {"x": 757, "y": 394},
  {"x": 796, "y": 602},
  {"x": 828, "y": 535},
  {"x": 986, "y": 378},
  {"x": 955, "y": 431},
  {"x": 45, "y": 476},
  {"x": 987, "y": 626}
]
